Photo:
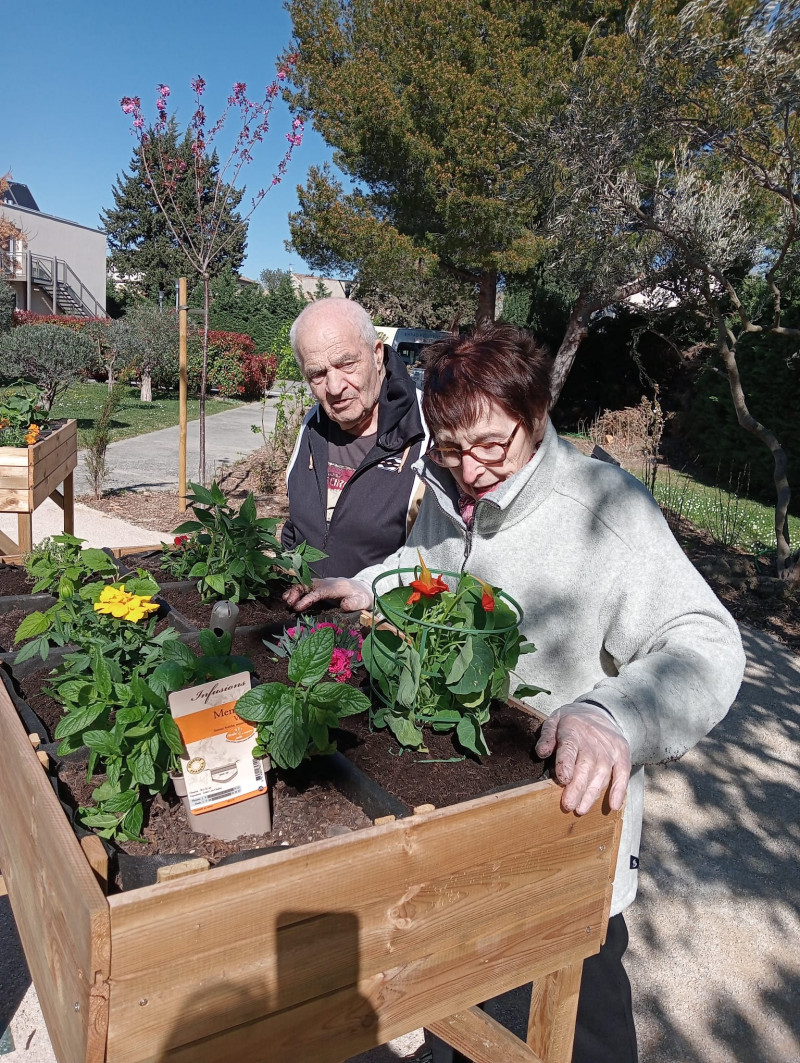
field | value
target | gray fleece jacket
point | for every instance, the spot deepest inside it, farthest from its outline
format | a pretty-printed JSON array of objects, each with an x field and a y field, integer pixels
[{"x": 619, "y": 616}]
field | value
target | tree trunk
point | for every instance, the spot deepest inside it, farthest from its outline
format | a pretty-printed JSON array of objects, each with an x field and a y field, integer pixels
[
  {"x": 204, "y": 378},
  {"x": 146, "y": 387},
  {"x": 787, "y": 568},
  {"x": 577, "y": 328},
  {"x": 110, "y": 380},
  {"x": 487, "y": 296}
]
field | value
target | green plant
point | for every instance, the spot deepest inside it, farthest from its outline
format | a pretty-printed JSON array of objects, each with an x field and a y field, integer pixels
[
  {"x": 21, "y": 414},
  {"x": 89, "y": 616},
  {"x": 347, "y": 644},
  {"x": 240, "y": 554},
  {"x": 278, "y": 445},
  {"x": 47, "y": 355},
  {"x": 443, "y": 656},
  {"x": 122, "y": 716},
  {"x": 727, "y": 510},
  {"x": 97, "y": 440},
  {"x": 59, "y": 565},
  {"x": 294, "y": 721}
]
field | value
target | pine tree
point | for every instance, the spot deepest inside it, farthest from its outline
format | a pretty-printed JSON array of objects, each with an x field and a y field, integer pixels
[{"x": 142, "y": 246}]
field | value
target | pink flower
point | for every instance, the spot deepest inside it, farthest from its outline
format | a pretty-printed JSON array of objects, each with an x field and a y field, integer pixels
[
  {"x": 339, "y": 668},
  {"x": 198, "y": 85},
  {"x": 138, "y": 122},
  {"x": 130, "y": 104},
  {"x": 297, "y": 123},
  {"x": 163, "y": 90}
]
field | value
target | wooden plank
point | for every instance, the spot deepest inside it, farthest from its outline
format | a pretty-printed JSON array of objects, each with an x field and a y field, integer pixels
[
  {"x": 483, "y": 1039},
  {"x": 7, "y": 545},
  {"x": 13, "y": 477},
  {"x": 68, "y": 503},
  {"x": 60, "y": 911},
  {"x": 3, "y": 890},
  {"x": 124, "y": 551},
  {"x": 25, "y": 532},
  {"x": 49, "y": 453},
  {"x": 64, "y": 465},
  {"x": 14, "y": 501},
  {"x": 298, "y": 930},
  {"x": 14, "y": 456},
  {"x": 169, "y": 872},
  {"x": 554, "y": 1005},
  {"x": 97, "y": 857}
]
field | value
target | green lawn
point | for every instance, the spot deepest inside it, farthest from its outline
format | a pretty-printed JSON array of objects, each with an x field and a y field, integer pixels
[{"x": 84, "y": 402}]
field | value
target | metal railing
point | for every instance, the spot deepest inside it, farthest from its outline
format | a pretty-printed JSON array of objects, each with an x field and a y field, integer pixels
[{"x": 65, "y": 288}]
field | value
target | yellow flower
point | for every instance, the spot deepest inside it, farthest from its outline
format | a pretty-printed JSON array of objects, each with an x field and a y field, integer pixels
[
  {"x": 115, "y": 601},
  {"x": 33, "y": 434}
]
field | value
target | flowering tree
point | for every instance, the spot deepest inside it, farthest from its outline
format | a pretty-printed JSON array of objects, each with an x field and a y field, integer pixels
[{"x": 198, "y": 229}]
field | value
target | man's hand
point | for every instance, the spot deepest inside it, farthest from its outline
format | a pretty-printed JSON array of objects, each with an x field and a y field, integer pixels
[
  {"x": 351, "y": 594},
  {"x": 590, "y": 750}
]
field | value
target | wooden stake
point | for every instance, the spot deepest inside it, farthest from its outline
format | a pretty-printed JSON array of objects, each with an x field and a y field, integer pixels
[{"x": 182, "y": 393}]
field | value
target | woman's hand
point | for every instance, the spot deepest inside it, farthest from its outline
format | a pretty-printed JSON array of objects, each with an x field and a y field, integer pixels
[
  {"x": 590, "y": 751},
  {"x": 351, "y": 594}
]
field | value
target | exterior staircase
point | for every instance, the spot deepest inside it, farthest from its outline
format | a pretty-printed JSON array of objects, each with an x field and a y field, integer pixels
[{"x": 67, "y": 292}]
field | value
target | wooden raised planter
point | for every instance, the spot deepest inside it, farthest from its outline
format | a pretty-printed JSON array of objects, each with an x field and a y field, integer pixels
[
  {"x": 314, "y": 953},
  {"x": 29, "y": 475}
]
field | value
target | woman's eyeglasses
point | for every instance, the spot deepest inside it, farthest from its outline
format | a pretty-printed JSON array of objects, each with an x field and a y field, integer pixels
[{"x": 485, "y": 453}]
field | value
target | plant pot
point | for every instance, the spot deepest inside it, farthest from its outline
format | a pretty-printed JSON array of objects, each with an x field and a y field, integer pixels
[{"x": 253, "y": 816}]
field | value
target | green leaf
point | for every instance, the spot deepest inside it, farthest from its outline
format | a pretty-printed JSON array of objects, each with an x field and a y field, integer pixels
[
  {"x": 408, "y": 685},
  {"x": 180, "y": 652},
  {"x": 33, "y": 624},
  {"x": 101, "y": 673},
  {"x": 525, "y": 690},
  {"x": 216, "y": 582},
  {"x": 121, "y": 802},
  {"x": 214, "y": 645},
  {"x": 247, "y": 513},
  {"x": 461, "y": 663},
  {"x": 200, "y": 494},
  {"x": 199, "y": 569},
  {"x": 105, "y": 791},
  {"x": 470, "y": 736},
  {"x": 405, "y": 731},
  {"x": 311, "y": 658},
  {"x": 171, "y": 735},
  {"x": 97, "y": 560},
  {"x": 101, "y": 742},
  {"x": 260, "y": 704},
  {"x": 290, "y": 734},
  {"x": 344, "y": 699},
  {"x": 132, "y": 822},
  {"x": 99, "y": 820},
  {"x": 168, "y": 676},
  {"x": 478, "y": 674},
  {"x": 78, "y": 719},
  {"x": 141, "y": 766},
  {"x": 142, "y": 584}
]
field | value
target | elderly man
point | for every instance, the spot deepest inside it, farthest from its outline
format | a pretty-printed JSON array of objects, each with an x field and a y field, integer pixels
[{"x": 352, "y": 490}]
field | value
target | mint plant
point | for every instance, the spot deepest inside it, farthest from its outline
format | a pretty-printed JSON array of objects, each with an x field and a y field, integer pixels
[
  {"x": 123, "y": 717},
  {"x": 443, "y": 657},
  {"x": 294, "y": 721}
]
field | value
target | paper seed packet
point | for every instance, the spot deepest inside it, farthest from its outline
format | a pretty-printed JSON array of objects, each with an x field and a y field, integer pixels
[{"x": 220, "y": 769}]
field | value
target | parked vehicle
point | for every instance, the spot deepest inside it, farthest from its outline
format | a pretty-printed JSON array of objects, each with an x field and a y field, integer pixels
[{"x": 409, "y": 342}]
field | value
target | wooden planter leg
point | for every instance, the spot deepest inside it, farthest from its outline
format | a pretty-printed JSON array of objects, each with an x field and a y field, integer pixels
[
  {"x": 25, "y": 532},
  {"x": 483, "y": 1039},
  {"x": 554, "y": 1007}
]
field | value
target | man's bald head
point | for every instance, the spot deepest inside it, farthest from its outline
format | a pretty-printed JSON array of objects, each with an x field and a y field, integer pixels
[{"x": 341, "y": 356}]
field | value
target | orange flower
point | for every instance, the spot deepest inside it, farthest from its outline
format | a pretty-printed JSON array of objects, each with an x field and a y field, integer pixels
[
  {"x": 487, "y": 598},
  {"x": 426, "y": 585},
  {"x": 33, "y": 434}
]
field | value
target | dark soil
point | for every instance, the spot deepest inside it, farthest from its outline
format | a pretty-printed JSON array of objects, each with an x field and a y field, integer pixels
[
  {"x": 14, "y": 580},
  {"x": 304, "y": 810},
  {"x": 272, "y": 613},
  {"x": 150, "y": 562},
  {"x": 9, "y": 622},
  {"x": 48, "y": 710}
]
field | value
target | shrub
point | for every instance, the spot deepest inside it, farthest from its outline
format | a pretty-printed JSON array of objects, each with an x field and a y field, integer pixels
[
  {"x": 259, "y": 374},
  {"x": 53, "y": 358},
  {"x": 234, "y": 367},
  {"x": 6, "y": 306}
]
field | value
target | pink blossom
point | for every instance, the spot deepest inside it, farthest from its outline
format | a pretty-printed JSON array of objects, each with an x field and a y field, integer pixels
[
  {"x": 138, "y": 122},
  {"x": 130, "y": 104},
  {"x": 198, "y": 85},
  {"x": 163, "y": 90},
  {"x": 297, "y": 123},
  {"x": 339, "y": 668}
]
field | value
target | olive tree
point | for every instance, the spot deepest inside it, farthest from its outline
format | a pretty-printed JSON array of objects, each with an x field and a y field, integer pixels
[{"x": 49, "y": 356}]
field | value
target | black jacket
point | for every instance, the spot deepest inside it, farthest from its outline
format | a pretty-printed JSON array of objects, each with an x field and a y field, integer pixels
[{"x": 371, "y": 514}]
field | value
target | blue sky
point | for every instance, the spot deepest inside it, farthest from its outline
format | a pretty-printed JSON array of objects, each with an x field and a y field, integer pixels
[{"x": 63, "y": 133}]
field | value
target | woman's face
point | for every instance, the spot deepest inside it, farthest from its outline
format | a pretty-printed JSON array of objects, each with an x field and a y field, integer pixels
[{"x": 493, "y": 426}]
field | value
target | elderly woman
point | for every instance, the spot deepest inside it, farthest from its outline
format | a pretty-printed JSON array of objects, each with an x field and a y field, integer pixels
[{"x": 640, "y": 657}]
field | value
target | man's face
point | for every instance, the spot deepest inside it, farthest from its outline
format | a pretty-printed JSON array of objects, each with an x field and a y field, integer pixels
[{"x": 344, "y": 374}]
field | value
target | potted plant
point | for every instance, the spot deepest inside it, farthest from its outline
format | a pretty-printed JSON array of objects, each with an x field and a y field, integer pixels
[{"x": 438, "y": 656}]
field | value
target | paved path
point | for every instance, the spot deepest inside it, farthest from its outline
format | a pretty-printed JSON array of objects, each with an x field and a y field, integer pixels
[
  {"x": 150, "y": 463},
  {"x": 714, "y": 957}
]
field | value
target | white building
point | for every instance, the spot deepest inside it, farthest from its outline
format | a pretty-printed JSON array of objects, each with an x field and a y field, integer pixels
[{"x": 57, "y": 266}]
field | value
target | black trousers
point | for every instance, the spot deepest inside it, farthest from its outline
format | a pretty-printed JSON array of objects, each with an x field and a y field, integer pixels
[{"x": 604, "y": 1031}]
